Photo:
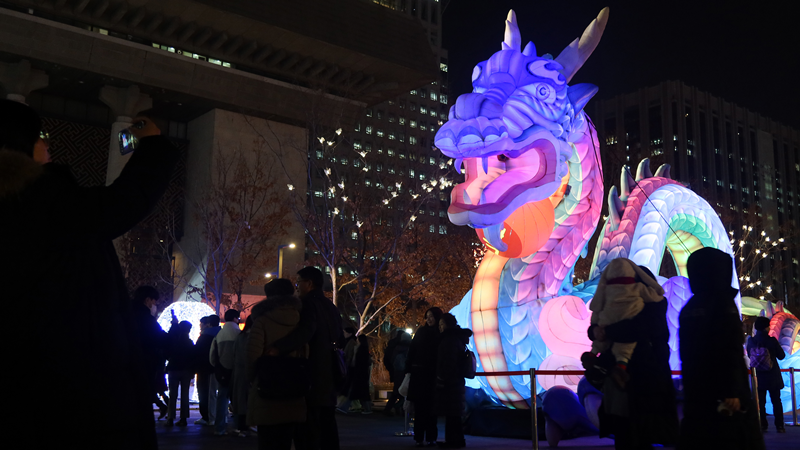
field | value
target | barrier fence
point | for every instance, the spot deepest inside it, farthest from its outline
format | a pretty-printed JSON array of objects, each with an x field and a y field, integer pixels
[{"x": 534, "y": 372}]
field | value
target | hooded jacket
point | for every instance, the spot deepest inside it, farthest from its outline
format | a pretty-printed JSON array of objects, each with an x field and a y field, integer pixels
[
  {"x": 202, "y": 350},
  {"x": 273, "y": 319},
  {"x": 56, "y": 253},
  {"x": 771, "y": 379},
  {"x": 622, "y": 291},
  {"x": 712, "y": 359}
]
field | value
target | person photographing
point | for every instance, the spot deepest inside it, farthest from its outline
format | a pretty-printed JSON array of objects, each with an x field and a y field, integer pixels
[{"x": 82, "y": 351}]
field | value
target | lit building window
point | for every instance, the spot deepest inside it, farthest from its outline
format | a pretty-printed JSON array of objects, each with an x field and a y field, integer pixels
[
  {"x": 356, "y": 145},
  {"x": 390, "y": 152},
  {"x": 433, "y": 96},
  {"x": 379, "y": 132},
  {"x": 423, "y": 109},
  {"x": 319, "y": 154},
  {"x": 442, "y": 229},
  {"x": 413, "y": 92},
  {"x": 369, "y": 129},
  {"x": 412, "y": 124},
  {"x": 443, "y": 67},
  {"x": 412, "y": 140},
  {"x": 443, "y": 98},
  {"x": 410, "y": 173},
  {"x": 369, "y": 112},
  {"x": 431, "y": 229},
  {"x": 391, "y": 136},
  {"x": 401, "y": 120}
]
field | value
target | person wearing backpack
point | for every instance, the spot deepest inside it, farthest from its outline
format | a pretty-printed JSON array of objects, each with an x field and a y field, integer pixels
[
  {"x": 450, "y": 386},
  {"x": 764, "y": 352}
]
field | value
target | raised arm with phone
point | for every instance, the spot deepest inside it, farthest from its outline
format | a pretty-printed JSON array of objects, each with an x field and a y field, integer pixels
[{"x": 56, "y": 252}]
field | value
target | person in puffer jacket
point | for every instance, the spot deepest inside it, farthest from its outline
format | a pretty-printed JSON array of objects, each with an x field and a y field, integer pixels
[
  {"x": 279, "y": 422},
  {"x": 768, "y": 380},
  {"x": 623, "y": 290}
]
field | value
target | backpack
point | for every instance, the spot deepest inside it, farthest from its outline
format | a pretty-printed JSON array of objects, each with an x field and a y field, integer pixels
[
  {"x": 760, "y": 359},
  {"x": 469, "y": 365}
]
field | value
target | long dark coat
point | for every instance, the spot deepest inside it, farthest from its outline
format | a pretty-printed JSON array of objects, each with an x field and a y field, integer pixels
[
  {"x": 421, "y": 364},
  {"x": 320, "y": 328},
  {"x": 650, "y": 394},
  {"x": 771, "y": 379},
  {"x": 154, "y": 347},
  {"x": 712, "y": 359},
  {"x": 240, "y": 384},
  {"x": 359, "y": 389},
  {"x": 81, "y": 350},
  {"x": 450, "y": 390}
]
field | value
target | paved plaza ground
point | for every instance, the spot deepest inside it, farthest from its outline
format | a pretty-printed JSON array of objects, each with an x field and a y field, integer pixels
[{"x": 376, "y": 431}]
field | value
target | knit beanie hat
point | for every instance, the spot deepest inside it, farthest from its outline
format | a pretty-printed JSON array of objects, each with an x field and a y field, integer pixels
[{"x": 19, "y": 127}]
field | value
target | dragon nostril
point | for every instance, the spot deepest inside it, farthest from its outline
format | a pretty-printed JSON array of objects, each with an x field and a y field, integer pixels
[{"x": 502, "y": 158}]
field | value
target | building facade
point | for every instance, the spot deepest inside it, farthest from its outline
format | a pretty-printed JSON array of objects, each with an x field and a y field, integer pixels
[
  {"x": 744, "y": 164},
  {"x": 214, "y": 75}
]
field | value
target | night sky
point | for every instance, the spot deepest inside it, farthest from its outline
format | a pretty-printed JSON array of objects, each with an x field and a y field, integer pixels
[{"x": 745, "y": 52}]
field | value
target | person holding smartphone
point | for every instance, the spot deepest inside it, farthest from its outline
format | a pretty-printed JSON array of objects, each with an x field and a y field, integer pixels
[{"x": 81, "y": 362}]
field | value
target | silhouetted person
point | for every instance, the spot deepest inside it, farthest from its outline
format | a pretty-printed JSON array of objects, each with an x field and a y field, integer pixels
[
  {"x": 206, "y": 381},
  {"x": 154, "y": 342},
  {"x": 718, "y": 411},
  {"x": 240, "y": 383},
  {"x": 394, "y": 361},
  {"x": 279, "y": 421},
  {"x": 644, "y": 412},
  {"x": 320, "y": 328},
  {"x": 361, "y": 372},
  {"x": 421, "y": 364},
  {"x": 180, "y": 370},
  {"x": 56, "y": 253},
  {"x": 450, "y": 385},
  {"x": 764, "y": 350},
  {"x": 221, "y": 357}
]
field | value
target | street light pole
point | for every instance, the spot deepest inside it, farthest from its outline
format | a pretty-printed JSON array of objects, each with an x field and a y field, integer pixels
[{"x": 280, "y": 258}]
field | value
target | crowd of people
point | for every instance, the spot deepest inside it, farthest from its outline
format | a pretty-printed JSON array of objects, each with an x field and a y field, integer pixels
[
  {"x": 629, "y": 361},
  {"x": 293, "y": 365}
]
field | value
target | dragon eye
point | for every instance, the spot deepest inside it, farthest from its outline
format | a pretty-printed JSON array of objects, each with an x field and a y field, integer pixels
[{"x": 544, "y": 92}]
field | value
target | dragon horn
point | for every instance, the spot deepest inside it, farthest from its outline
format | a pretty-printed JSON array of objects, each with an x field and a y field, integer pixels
[
  {"x": 577, "y": 52},
  {"x": 615, "y": 208},
  {"x": 512, "y": 39},
  {"x": 663, "y": 171},
  {"x": 625, "y": 183},
  {"x": 643, "y": 171}
]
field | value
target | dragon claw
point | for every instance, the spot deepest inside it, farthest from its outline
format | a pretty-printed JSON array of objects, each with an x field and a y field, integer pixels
[{"x": 625, "y": 183}]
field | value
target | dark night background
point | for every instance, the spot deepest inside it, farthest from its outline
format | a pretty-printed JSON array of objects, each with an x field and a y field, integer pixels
[{"x": 744, "y": 52}]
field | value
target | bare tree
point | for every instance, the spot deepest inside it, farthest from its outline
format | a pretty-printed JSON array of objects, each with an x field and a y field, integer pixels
[{"x": 239, "y": 216}]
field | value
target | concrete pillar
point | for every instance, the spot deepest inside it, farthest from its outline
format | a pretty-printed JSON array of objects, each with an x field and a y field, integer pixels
[
  {"x": 19, "y": 79},
  {"x": 125, "y": 104}
]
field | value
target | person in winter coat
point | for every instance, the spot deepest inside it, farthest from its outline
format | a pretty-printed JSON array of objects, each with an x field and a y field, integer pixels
[
  {"x": 718, "y": 411},
  {"x": 56, "y": 252},
  {"x": 349, "y": 349},
  {"x": 278, "y": 421},
  {"x": 320, "y": 328},
  {"x": 450, "y": 386},
  {"x": 394, "y": 360},
  {"x": 154, "y": 343},
  {"x": 206, "y": 381},
  {"x": 644, "y": 412},
  {"x": 221, "y": 357},
  {"x": 362, "y": 369},
  {"x": 240, "y": 383},
  {"x": 180, "y": 370},
  {"x": 622, "y": 293},
  {"x": 769, "y": 380},
  {"x": 421, "y": 365}
]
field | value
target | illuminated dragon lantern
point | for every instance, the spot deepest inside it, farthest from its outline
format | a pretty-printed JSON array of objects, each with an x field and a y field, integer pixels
[{"x": 533, "y": 191}]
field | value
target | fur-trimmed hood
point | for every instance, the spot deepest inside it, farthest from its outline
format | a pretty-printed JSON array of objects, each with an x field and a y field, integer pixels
[
  {"x": 17, "y": 171},
  {"x": 277, "y": 302}
]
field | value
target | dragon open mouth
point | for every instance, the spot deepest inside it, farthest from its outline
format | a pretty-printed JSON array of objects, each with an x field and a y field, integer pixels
[{"x": 498, "y": 184}]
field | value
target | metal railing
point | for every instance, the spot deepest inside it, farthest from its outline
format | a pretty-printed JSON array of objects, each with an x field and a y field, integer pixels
[{"x": 534, "y": 372}]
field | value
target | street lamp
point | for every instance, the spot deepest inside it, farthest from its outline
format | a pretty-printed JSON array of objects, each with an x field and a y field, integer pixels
[{"x": 280, "y": 258}]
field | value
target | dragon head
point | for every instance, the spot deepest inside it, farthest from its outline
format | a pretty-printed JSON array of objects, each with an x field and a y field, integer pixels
[{"x": 513, "y": 132}]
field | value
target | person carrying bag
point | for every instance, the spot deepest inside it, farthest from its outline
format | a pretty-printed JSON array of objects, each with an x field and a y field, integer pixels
[{"x": 276, "y": 401}]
